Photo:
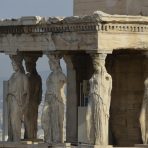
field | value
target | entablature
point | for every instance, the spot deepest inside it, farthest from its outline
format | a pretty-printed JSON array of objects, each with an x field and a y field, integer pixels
[{"x": 97, "y": 32}]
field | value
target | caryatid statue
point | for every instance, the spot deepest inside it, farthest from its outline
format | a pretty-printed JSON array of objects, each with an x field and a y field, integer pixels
[
  {"x": 144, "y": 115},
  {"x": 97, "y": 116},
  {"x": 35, "y": 97},
  {"x": 17, "y": 98},
  {"x": 53, "y": 111}
]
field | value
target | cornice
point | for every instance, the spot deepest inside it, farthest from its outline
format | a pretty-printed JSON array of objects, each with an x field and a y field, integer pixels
[{"x": 99, "y": 21}]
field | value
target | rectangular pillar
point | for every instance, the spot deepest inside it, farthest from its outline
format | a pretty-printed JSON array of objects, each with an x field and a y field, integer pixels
[
  {"x": 5, "y": 111},
  {"x": 71, "y": 106}
]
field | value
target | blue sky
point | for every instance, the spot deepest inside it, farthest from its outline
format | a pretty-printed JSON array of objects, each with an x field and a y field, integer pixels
[{"x": 18, "y": 8}]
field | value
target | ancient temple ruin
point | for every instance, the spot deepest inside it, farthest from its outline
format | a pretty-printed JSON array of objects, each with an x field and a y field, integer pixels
[{"x": 116, "y": 44}]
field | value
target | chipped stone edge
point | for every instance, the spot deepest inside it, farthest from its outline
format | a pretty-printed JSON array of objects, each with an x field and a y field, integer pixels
[{"x": 96, "y": 17}]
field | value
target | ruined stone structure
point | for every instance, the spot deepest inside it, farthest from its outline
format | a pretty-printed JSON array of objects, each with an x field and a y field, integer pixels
[
  {"x": 122, "y": 7},
  {"x": 53, "y": 112},
  {"x": 17, "y": 98},
  {"x": 35, "y": 97},
  {"x": 86, "y": 43}
]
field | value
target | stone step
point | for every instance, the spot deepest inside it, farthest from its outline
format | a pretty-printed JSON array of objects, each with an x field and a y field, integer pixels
[
  {"x": 45, "y": 145},
  {"x": 22, "y": 145}
]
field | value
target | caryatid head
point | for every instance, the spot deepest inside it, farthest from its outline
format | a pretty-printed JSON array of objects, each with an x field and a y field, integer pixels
[
  {"x": 30, "y": 63},
  {"x": 54, "y": 62},
  {"x": 17, "y": 63},
  {"x": 99, "y": 62}
]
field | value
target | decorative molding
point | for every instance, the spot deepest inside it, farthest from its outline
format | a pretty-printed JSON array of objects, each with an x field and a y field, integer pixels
[
  {"x": 99, "y": 21},
  {"x": 33, "y": 29},
  {"x": 47, "y": 28},
  {"x": 130, "y": 28}
]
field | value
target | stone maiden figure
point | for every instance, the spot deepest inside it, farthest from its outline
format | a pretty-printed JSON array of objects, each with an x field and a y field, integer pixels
[
  {"x": 35, "y": 97},
  {"x": 17, "y": 98},
  {"x": 144, "y": 115},
  {"x": 97, "y": 116},
  {"x": 53, "y": 111}
]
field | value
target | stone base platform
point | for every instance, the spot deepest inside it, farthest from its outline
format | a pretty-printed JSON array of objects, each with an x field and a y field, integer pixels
[
  {"x": 62, "y": 145},
  {"x": 30, "y": 144},
  {"x": 94, "y": 146},
  {"x": 23, "y": 145},
  {"x": 141, "y": 145}
]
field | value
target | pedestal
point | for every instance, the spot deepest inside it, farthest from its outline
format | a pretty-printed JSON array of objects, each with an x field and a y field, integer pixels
[
  {"x": 94, "y": 146},
  {"x": 28, "y": 144},
  {"x": 32, "y": 140},
  {"x": 60, "y": 145},
  {"x": 141, "y": 145}
]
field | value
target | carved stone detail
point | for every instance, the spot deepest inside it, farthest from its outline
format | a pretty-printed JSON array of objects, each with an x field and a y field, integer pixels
[
  {"x": 94, "y": 22},
  {"x": 53, "y": 112},
  {"x": 71, "y": 102},
  {"x": 17, "y": 98},
  {"x": 144, "y": 115},
  {"x": 97, "y": 116},
  {"x": 35, "y": 97}
]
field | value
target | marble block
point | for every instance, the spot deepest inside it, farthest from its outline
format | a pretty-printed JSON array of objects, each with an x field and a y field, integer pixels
[
  {"x": 60, "y": 145},
  {"x": 23, "y": 145},
  {"x": 141, "y": 145},
  {"x": 94, "y": 146}
]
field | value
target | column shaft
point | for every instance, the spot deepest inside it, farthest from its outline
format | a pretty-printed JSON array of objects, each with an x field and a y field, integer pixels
[{"x": 71, "y": 115}]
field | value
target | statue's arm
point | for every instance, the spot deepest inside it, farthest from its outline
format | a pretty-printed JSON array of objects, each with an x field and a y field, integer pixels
[
  {"x": 9, "y": 95},
  {"x": 110, "y": 87},
  {"x": 109, "y": 93}
]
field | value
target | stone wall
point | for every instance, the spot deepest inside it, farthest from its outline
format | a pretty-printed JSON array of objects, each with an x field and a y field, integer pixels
[
  {"x": 128, "y": 72},
  {"x": 131, "y": 7}
]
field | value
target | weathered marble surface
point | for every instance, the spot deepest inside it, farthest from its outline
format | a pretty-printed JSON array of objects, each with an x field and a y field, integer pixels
[
  {"x": 23, "y": 145},
  {"x": 96, "y": 16},
  {"x": 129, "y": 7},
  {"x": 97, "y": 116},
  {"x": 141, "y": 145},
  {"x": 53, "y": 111},
  {"x": 71, "y": 102},
  {"x": 17, "y": 98},
  {"x": 74, "y": 33},
  {"x": 35, "y": 97},
  {"x": 94, "y": 146},
  {"x": 62, "y": 145},
  {"x": 144, "y": 115}
]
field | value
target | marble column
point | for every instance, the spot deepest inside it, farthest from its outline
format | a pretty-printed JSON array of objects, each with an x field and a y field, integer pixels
[
  {"x": 53, "y": 112},
  {"x": 97, "y": 116},
  {"x": 17, "y": 98},
  {"x": 71, "y": 104},
  {"x": 35, "y": 97}
]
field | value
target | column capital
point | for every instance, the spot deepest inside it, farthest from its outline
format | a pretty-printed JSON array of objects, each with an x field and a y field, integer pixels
[
  {"x": 18, "y": 58},
  {"x": 31, "y": 59},
  {"x": 57, "y": 55},
  {"x": 100, "y": 51},
  {"x": 17, "y": 61},
  {"x": 99, "y": 56},
  {"x": 32, "y": 54}
]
